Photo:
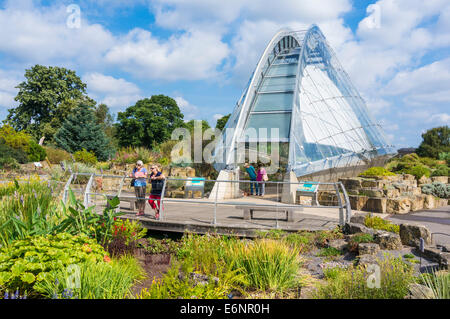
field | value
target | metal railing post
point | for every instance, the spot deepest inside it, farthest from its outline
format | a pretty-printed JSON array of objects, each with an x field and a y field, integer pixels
[
  {"x": 215, "y": 203},
  {"x": 66, "y": 188},
  {"x": 348, "y": 207},
  {"x": 161, "y": 208},
  {"x": 341, "y": 208},
  {"x": 87, "y": 191}
]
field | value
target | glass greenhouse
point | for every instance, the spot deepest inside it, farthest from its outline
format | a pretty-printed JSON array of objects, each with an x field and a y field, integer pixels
[{"x": 300, "y": 98}]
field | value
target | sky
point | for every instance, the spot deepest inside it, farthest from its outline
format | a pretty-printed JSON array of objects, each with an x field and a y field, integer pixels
[{"x": 202, "y": 52}]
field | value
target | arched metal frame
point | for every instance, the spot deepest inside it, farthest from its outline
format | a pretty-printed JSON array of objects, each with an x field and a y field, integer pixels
[{"x": 349, "y": 136}]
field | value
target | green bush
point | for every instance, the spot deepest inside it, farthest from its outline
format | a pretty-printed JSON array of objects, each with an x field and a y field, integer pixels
[
  {"x": 57, "y": 155},
  {"x": 376, "y": 171},
  {"x": 352, "y": 282},
  {"x": 377, "y": 222},
  {"x": 441, "y": 170},
  {"x": 97, "y": 280},
  {"x": 36, "y": 152},
  {"x": 10, "y": 157},
  {"x": 329, "y": 252},
  {"x": 437, "y": 189},
  {"x": 85, "y": 157},
  {"x": 28, "y": 261},
  {"x": 418, "y": 171}
]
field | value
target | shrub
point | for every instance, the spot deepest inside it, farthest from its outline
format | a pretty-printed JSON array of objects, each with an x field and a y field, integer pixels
[
  {"x": 376, "y": 171},
  {"x": 36, "y": 152},
  {"x": 329, "y": 252},
  {"x": 56, "y": 155},
  {"x": 438, "y": 282},
  {"x": 437, "y": 189},
  {"x": 97, "y": 280},
  {"x": 178, "y": 283},
  {"x": 418, "y": 171},
  {"x": 11, "y": 156},
  {"x": 377, "y": 222},
  {"x": 441, "y": 170},
  {"x": 352, "y": 282},
  {"x": 267, "y": 264},
  {"x": 85, "y": 157},
  {"x": 28, "y": 261}
]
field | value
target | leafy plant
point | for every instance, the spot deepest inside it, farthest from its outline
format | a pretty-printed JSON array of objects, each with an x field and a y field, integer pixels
[
  {"x": 377, "y": 222},
  {"x": 97, "y": 280},
  {"x": 329, "y": 252},
  {"x": 85, "y": 157},
  {"x": 441, "y": 170},
  {"x": 418, "y": 171},
  {"x": 56, "y": 155},
  {"x": 376, "y": 171},
  {"x": 352, "y": 282},
  {"x": 437, "y": 189},
  {"x": 438, "y": 282},
  {"x": 27, "y": 261}
]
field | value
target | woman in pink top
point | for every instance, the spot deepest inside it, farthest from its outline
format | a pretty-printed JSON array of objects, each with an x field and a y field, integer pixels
[{"x": 261, "y": 178}]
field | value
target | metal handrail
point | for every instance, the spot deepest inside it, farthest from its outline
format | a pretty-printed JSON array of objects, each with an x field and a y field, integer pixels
[{"x": 344, "y": 215}]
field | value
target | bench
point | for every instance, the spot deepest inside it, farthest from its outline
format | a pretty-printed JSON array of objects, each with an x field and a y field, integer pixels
[
  {"x": 123, "y": 199},
  {"x": 248, "y": 211}
]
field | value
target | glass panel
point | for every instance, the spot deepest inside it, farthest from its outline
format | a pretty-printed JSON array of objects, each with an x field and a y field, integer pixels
[
  {"x": 273, "y": 102},
  {"x": 282, "y": 121},
  {"x": 283, "y": 69},
  {"x": 278, "y": 84}
]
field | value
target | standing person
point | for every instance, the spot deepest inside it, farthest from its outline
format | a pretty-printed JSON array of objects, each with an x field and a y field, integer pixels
[
  {"x": 261, "y": 178},
  {"x": 157, "y": 180},
  {"x": 252, "y": 174},
  {"x": 140, "y": 175}
]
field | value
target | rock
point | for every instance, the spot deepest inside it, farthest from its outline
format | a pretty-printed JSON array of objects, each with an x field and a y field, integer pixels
[
  {"x": 417, "y": 291},
  {"x": 417, "y": 202},
  {"x": 401, "y": 205},
  {"x": 410, "y": 235},
  {"x": 441, "y": 179},
  {"x": 424, "y": 180},
  {"x": 358, "y": 218},
  {"x": 444, "y": 260},
  {"x": 368, "y": 248},
  {"x": 366, "y": 260},
  {"x": 339, "y": 244},
  {"x": 387, "y": 240},
  {"x": 429, "y": 202},
  {"x": 351, "y": 183},
  {"x": 407, "y": 177},
  {"x": 432, "y": 253},
  {"x": 352, "y": 228},
  {"x": 391, "y": 192}
]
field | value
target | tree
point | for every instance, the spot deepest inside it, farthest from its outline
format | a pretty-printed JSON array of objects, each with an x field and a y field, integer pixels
[
  {"x": 222, "y": 122},
  {"x": 435, "y": 141},
  {"x": 148, "y": 122},
  {"x": 81, "y": 131},
  {"x": 45, "y": 99}
]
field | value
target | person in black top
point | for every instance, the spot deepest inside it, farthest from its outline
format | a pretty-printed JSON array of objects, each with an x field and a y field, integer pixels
[{"x": 157, "y": 181}]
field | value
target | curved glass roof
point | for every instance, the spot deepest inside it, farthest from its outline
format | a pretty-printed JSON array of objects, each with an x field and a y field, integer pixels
[{"x": 300, "y": 90}]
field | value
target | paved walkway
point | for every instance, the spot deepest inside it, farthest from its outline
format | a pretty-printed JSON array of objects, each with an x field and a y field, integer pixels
[{"x": 436, "y": 220}]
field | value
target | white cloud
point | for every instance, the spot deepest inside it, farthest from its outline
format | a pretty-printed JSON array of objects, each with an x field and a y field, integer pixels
[
  {"x": 189, "y": 56},
  {"x": 8, "y": 82},
  {"x": 190, "y": 111},
  {"x": 113, "y": 92}
]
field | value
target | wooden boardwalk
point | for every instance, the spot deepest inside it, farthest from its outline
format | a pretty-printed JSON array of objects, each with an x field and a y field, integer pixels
[{"x": 197, "y": 216}]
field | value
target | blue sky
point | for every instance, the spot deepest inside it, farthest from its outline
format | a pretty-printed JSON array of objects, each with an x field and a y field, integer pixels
[{"x": 202, "y": 52}]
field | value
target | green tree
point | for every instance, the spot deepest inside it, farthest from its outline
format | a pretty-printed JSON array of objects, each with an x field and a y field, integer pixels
[
  {"x": 222, "y": 121},
  {"x": 435, "y": 141},
  {"x": 45, "y": 99},
  {"x": 81, "y": 131},
  {"x": 149, "y": 122}
]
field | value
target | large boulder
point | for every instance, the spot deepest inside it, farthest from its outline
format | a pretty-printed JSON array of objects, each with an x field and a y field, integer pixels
[
  {"x": 368, "y": 249},
  {"x": 410, "y": 235},
  {"x": 417, "y": 291},
  {"x": 388, "y": 240},
  {"x": 366, "y": 260},
  {"x": 401, "y": 205},
  {"x": 339, "y": 244},
  {"x": 353, "y": 228}
]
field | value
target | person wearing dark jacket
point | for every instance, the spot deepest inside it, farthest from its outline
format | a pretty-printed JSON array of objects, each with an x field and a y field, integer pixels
[{"x": 157, "y": 180}]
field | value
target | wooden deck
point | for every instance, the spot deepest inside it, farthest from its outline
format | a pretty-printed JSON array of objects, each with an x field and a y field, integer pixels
[{"x": 197, "y": 215}]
